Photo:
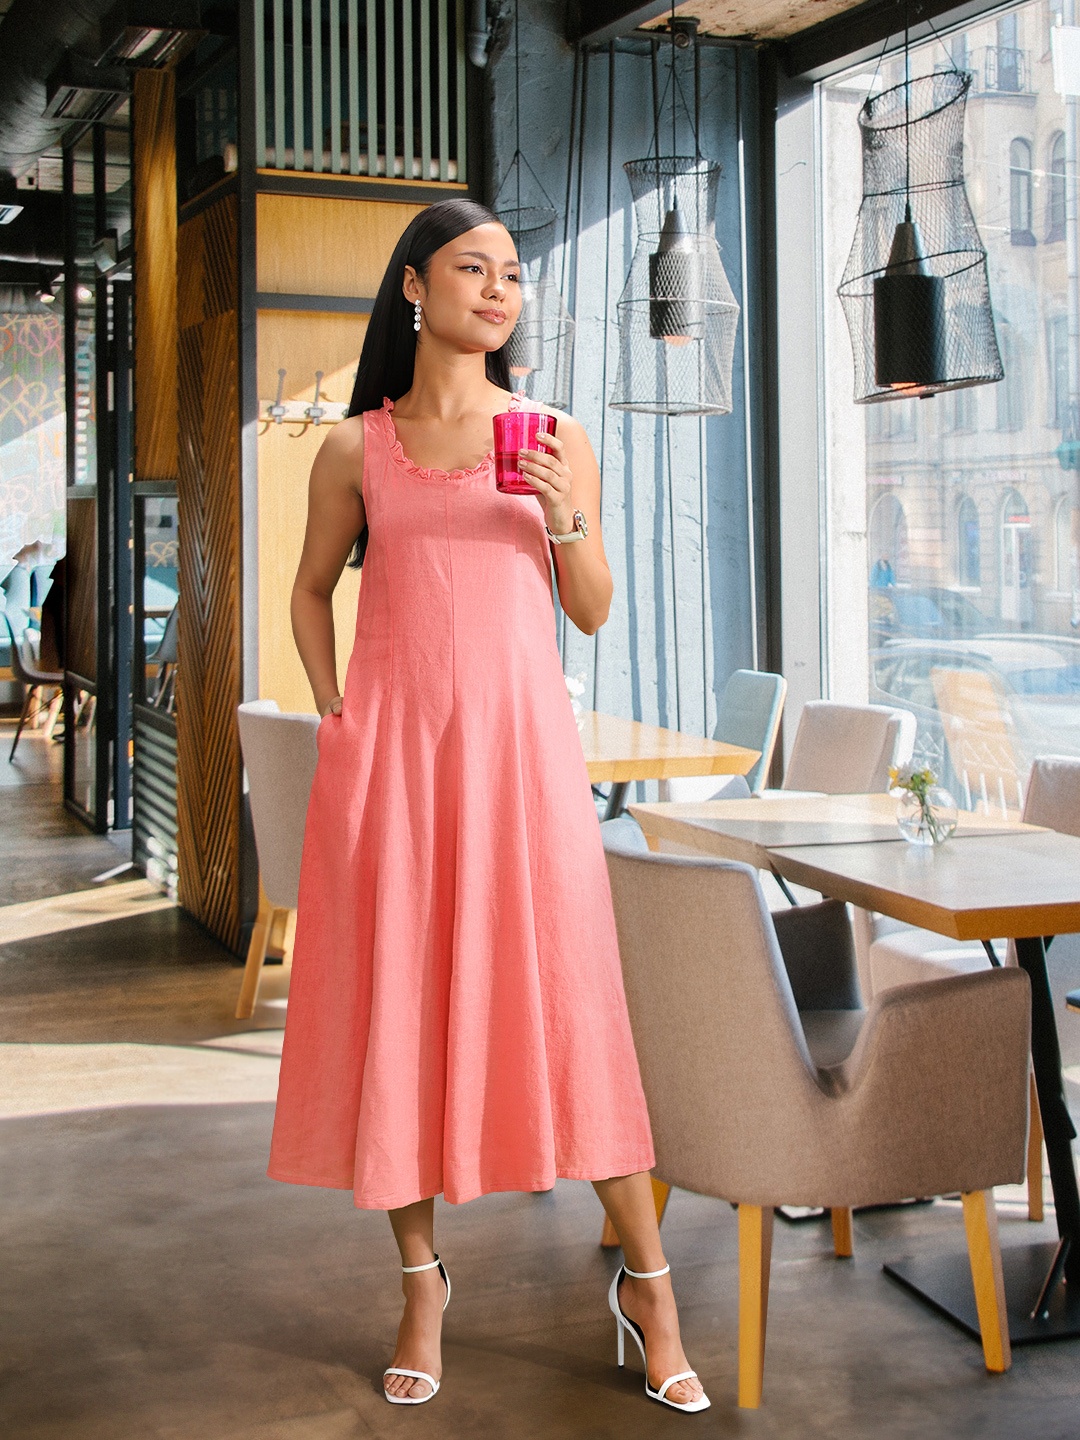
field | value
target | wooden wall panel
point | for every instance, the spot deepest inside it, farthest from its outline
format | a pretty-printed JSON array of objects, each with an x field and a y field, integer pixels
[
  {"x": 80, "y": 586},
  {"x": 154, "y": 228},
  {"x": 208, "y": 673},
  {"x": 284, "y": 464},
  {"x": 308, "y": 245}
]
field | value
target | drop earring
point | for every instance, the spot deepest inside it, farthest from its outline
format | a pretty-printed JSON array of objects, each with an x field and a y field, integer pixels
[{"x": 416, "y": 316}]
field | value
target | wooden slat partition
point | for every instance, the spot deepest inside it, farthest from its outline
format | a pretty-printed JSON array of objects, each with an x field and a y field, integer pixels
[
  {"x": 80, "y": 581},
  {"x": 154, "y": 225},
  {"x": 208, "y": 673}
]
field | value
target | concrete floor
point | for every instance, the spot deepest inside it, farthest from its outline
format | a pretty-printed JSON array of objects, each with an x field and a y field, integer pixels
[{"x": 156, "y": 1286}]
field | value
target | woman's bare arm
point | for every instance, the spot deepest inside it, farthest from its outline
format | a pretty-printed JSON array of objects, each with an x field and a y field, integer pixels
[
  {"x": 581, "y": 569},
  {"x": 335, "y": 518}
]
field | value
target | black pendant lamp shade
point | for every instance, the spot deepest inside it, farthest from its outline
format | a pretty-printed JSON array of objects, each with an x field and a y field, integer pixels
[
  {"x": 677, "y": 313},
  {"x": 676, "y": 284},
  {"x": 915, "y": 291},
  {"x": 909, "y": 316}
]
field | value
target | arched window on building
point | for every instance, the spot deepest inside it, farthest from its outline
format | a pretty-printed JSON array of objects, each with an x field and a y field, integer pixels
[
  {"x": 887, "y": 538},
  {"x": 1063, "y": 545},
  {"x": 968, "y": 544},
  {"x": 1020, "y": 189},
  {"x": 1055, "y": 191}
]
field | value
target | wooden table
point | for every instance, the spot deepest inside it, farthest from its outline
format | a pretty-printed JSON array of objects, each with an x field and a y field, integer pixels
[
  {"x": 992, "y": 879},
  {"x": 624, "y": 750}
]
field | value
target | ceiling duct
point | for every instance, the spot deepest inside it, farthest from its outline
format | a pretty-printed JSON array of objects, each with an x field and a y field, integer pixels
[
  {"x": 148, "y": 33},
  {"x": 35, "y": 40},
  {"x": 78, "y": 90}
]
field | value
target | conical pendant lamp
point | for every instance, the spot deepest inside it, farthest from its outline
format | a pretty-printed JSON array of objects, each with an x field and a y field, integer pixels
[
  {"x": 915, "y": 291},
  {"x": 677, "y": 314}
]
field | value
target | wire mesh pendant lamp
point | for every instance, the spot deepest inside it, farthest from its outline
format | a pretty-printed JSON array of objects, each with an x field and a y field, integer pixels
[
  {"x": 677, "y": 313},
  {"x": 541, "y": 345},
  {"x": 915, "y": 291}
]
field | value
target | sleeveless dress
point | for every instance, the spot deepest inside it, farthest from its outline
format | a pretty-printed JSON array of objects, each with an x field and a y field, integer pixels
[{"x": 456, "y": 1019}]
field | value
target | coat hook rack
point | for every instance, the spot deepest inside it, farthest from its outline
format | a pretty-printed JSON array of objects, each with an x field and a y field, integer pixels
[
  {"x": 275, "y": 413},
  {"x": 315, "y": 411}
]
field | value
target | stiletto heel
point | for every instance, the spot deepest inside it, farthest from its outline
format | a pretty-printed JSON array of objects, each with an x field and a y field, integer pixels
[
  {"x": 419, "y": 1374},
  {"x": 625, "y": 1325}
]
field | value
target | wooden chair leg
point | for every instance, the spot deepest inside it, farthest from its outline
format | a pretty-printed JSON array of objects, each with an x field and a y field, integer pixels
[
  {"x": 290, "y": 937},
  {"x": 54, "y": 713},
  {"x": 980, "y": 1221},
  {"x": 1034, "y": 1156},
  {"x": 276, "y": 944},
  {"x": 755, "y": 1257},
  {"x": 260, "y": 936},
  {"x": 31, "y": 691},
  {"x": 841, "y": 1232},
  {"x": 609, "y": 1239}
]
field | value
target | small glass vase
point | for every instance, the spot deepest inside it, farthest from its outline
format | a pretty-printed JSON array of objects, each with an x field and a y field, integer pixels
[{"x": 926, "y": 822}]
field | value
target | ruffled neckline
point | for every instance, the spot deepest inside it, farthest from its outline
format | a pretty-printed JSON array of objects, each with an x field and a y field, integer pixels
[
  {"x": 428, "y": 472},
  {"x": 424, "y": 472}
]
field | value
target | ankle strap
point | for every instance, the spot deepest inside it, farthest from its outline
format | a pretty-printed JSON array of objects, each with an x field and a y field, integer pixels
[
  {"x": 412, "y": 1269},
  {"x": 645, "y": 1274}
]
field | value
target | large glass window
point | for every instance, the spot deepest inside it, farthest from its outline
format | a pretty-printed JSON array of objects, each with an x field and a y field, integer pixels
[{"x": 972, "y": 519}]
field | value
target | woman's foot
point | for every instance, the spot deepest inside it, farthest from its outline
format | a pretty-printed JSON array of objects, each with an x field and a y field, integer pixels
[
  {"x": 651, "y": 1305},
  {"x": 419, "y": 1334}
]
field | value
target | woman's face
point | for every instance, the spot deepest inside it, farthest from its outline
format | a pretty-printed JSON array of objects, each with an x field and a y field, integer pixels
[{"x": 471, "y": 295}]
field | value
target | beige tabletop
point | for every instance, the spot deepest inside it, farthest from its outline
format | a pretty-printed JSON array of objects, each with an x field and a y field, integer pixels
[
  {"x": 1010, "y": 885},
  {"x": 621, "y": 750},
  {"x": 749, "y": 830}
]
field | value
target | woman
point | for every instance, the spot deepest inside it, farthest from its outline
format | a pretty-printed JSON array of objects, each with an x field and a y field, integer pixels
[{"x": 456, "y": 1017}]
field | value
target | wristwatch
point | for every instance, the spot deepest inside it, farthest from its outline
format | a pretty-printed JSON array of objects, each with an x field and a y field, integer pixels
[{"x": 580, "y": 530}]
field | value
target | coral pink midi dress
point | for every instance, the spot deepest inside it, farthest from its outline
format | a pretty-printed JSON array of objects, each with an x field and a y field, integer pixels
[{"x": 456, "y": 1018}]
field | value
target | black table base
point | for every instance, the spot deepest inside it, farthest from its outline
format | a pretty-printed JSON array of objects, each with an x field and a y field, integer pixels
[{"x": 944, "y": 1281}]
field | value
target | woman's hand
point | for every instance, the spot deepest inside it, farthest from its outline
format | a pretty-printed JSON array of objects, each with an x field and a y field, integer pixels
[
  {"x": 332, "y": 707},
  {"x": 551, "y": 475}
]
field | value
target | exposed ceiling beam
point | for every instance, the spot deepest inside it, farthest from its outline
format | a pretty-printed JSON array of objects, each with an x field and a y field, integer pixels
[
  {"x": 860, "y": 33},
  {"x": 594, "y": 22}
]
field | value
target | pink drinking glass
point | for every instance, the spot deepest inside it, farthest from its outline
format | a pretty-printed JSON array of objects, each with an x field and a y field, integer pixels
[{"x": 517, "y": 430}]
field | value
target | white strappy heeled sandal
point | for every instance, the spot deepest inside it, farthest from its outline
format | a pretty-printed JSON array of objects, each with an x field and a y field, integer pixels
[
  {"x": 623, "y": 1323},
  {"x": 419, "y": 1374}
]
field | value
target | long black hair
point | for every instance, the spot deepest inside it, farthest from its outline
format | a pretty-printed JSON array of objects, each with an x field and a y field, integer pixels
[{"x": 389, "y": 352}]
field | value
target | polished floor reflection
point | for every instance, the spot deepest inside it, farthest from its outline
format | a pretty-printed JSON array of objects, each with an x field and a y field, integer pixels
[{"x": 158, "y": 1287}]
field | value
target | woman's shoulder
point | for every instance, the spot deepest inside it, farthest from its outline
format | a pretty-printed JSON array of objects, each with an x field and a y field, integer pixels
[{"x": 341, "y": 455}]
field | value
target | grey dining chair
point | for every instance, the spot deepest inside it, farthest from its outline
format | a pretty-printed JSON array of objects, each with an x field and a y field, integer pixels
[
  {"x": 280, "y": 753},
  {"x": 758, "y": 1104},
  {"x": 748, "y": 715},
  {"x": 30, "y": 674}
]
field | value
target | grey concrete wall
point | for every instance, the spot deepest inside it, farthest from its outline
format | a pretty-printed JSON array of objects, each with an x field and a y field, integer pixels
[{"x": 675, "y": 492}]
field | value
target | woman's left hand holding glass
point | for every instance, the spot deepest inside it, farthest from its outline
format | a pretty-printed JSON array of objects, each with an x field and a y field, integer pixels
[{"x": 549, "y": 472}]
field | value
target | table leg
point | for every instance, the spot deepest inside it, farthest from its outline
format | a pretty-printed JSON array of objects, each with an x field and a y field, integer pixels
[
  {"x": 616, "y": 798},
  {"x": 1039, "y": 1306},
  {"x": 1057, "y": 1122}
]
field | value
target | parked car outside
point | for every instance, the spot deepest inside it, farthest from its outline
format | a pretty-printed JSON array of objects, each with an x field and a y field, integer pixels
[
  {"x": 929, "y": 611},
  {"x": 1035, "y": 680}
]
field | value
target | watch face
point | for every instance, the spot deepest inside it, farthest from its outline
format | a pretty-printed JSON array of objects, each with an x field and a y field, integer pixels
[{"x": 580, "y": 522}]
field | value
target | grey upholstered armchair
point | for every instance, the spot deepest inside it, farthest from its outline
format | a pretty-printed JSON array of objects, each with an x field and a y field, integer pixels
[{"x": 760, "y": 1103}]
